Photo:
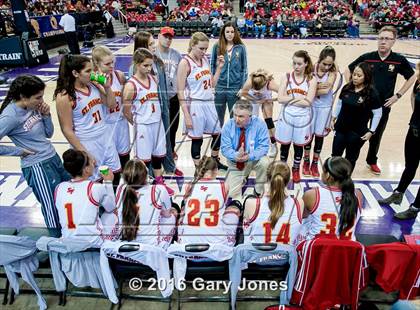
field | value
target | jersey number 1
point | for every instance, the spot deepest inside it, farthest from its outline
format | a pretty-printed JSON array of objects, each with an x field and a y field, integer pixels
[
  {"x": 69, "y": 211},
  {"x": 282, "y": 237}
]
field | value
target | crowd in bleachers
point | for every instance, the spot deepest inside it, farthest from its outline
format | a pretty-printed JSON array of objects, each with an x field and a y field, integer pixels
[{"x": 403, "y": 14}]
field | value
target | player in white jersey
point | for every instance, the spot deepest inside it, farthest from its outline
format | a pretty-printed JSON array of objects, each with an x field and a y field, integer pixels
[
  {"x": 81, "y": 108},
  {"x": 144, "y": 212},
  {"x": 142, "y": 108},
  {"x": 205, "y": 218},
  {"x": 335, "y": 206},
  {"x": 104, "y": 62},
  {"x": 78, "y": 200},
  {"x": 196, "y": 96},
  {"x": 258, "y": 89},
  {"x": 296, "y": 93},
  {"x": 325, "y": 73},
  {"x": 276, "y": 217}
]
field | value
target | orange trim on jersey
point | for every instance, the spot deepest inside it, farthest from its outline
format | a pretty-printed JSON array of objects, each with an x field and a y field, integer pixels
[
  {"x": 119, "y": 192},
  {"x": 154, "y": 202},
  {"x": 73, "y": 104},
  {"x": 298, "y": 210},
  {"x": 294, "y": 79},
  {"x": 118, "y": 76},
  {"x": 144, "y": 86},
  {"x": 82, "y": 92},
  {"x": 222, "y": 184},
  {"x": 189, "y": 67},
  {"x": 188, "y": 191},
  {"x": 317, "y": 198},
  {"x": 257, "y": 210},
  {"x": 135, "y": 89},
  {"x": 194, "y": 61},
  {"x": 89, "y": 192}
]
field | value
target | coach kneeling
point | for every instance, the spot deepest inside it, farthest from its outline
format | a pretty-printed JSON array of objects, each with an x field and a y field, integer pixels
[{"x": 245, "y": 143}]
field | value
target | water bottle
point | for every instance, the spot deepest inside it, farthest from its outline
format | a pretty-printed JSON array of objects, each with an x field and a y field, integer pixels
[{"x": 101, "y": 79}]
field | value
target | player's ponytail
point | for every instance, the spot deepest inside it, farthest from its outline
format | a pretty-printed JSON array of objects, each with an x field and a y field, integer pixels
[
  {"x": 135, "y": 176},
  {"x": 278, "y": 174},
  {"x": 23, "y": 86},
  {"x": 66, "y": 78},
  {"x": 340, "y": 170},
  {"x": 309, "y": 69},
  {"x": 260, "y": 78}
]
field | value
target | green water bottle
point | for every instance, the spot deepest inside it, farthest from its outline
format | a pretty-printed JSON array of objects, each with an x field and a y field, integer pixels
[{"x": 101, "y": 79}]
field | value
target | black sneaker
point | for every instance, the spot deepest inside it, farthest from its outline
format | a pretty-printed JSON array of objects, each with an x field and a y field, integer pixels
[
  {"x": 220, "y": 166},
  {"x": 409, "y": 214},
  {"x": 396, "y": 197}
]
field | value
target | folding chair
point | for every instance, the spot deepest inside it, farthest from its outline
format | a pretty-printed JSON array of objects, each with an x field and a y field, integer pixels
[{"x": 123, "y": 271}]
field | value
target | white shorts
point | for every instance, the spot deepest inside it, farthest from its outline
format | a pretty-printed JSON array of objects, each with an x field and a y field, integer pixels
[
  {"x": 204, "y": 119},
  {"x": 321, "y": 121},
  {"x": 121, "y": 136},
  {"x": 150, "y": 141},
  {"x": 103, "y": 150},
  {"x": 294, "y": 129}
]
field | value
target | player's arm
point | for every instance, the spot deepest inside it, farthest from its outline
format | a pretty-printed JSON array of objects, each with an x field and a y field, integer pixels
[
  {"x": 129, "y": 93},
  {"x": 309, "y": 201},
  {"x": 220, "y": 63},
  {"x": 182, "y": 74},
  {"x": 274, "y": 87},
  {"x": 250, "y": 209},
  {"x": 104, "y": 194},
  {"x": 282, "y": 92},
  {"x": 65, "y": 118},
  {"x": 7, "y": 124},
  {"x": 324, "y": 88},
  {"x": 243, "y": 92}
]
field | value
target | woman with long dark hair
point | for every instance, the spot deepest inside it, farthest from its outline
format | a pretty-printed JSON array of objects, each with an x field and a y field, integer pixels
[
  {"x": 234, "y": 71},
  {"x": 145, "y": 211},
  {"x": 276, "y": 216},
  {"x": 335, "y": 206},
  {"x": 357, "y": 105},
  {"x": 325, "y": 72},
  {"x": 81, "y": 110},
  {"x": 25, "y": 118}
]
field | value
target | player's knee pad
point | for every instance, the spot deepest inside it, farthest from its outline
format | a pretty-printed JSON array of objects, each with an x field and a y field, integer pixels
[
  {"x": 269, "y": 122},
  {"x": 157, "y": 163},
  {"x": 215, "y": 143},
  {"x": 196, "y": 148}
]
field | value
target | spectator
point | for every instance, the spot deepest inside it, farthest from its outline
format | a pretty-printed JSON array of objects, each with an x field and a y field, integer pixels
[
  {"x": 279, "y": 28},
  {"x": 216, "y": 24},
  {"x": 259, "y": 27}
]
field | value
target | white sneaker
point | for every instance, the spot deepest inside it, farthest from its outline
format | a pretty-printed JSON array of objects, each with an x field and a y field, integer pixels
[{"x": 272, "y": 152}]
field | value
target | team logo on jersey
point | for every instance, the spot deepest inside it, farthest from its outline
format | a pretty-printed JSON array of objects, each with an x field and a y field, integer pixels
[
  {"x": 70, "y": 190},
  {"x": 391, "y": 68},
  {"x": 203, "y": 188}
]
